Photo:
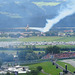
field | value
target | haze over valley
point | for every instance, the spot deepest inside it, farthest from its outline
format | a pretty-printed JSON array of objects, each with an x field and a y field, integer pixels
[{"x": 16, "y": 13}]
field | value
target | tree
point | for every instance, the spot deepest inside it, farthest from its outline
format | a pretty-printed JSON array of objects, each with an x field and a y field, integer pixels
[
  {"x": 21, "y": 55},
  {"x": 52, "y": 33},
  {"x": 52, "y": 50},
  {"x": 8, "y": 73},
  {"x": 6, "y": 57},
  {"x": 34, "y": 72},
  {"x": 26, "y": 46},
  {"x": 33, "y": 47},
  {"x": 39, "y": 68},
  {"x": 40, "y": 55},
  {"x": 27, "y": 55},
  {"x": 31, "y": 56},
  {"x": 0, "y": 63}
]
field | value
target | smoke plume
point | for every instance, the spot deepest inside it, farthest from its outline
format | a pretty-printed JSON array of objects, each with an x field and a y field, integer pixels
[{"x": 67, "y": 9}]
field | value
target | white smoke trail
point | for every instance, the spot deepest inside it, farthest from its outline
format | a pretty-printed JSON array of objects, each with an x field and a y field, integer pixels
[
  {"x": 64, "y": 12},
  {"x": 68, "y": 10}
]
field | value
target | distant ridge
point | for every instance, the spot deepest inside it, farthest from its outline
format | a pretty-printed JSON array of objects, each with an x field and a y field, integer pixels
[{"x": 14, "y": 13}]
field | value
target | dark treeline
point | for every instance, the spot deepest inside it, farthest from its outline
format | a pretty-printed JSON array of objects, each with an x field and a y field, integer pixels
[
  {"x": 34, "y": 49},
  {"x": 56, "y": 49},
  {"x": 52, "y": 50},
  {"x": 4, "y": 57},
  {"x": 26, "y": 55},
  {"x": 67, "y": 49}
]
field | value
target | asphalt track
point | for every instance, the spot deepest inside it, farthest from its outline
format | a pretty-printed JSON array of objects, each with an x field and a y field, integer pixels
[{"x": 70, "y": 61}]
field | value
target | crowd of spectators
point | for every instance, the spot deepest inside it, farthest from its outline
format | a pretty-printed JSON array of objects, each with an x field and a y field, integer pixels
[{"x": 60, "y": 55}]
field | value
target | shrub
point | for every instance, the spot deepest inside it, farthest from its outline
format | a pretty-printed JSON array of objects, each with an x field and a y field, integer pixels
[{"x": 39, "y": 68}]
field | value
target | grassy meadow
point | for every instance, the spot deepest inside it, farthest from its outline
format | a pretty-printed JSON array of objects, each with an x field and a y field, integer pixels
[
  {"x": 46, "y": 38},
  {"x": 47, "y": 67},
  {"x": 40, "y": 38},
  {"x": 49, "y": 39},
  {"x": 61, "y": 46},
  {"x": 13, "y": 52},
  {"x": 7, "y": 39}
]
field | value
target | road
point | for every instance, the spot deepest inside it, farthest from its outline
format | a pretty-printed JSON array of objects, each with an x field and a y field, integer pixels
[{"x": 70, "y": 61}]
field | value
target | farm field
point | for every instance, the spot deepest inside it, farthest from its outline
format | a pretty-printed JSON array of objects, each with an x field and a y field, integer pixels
[
  {"x": 13, "y": 52},
  {"x": 41, "y": 38},
  {"x": 33, "y": 39},
  {"x": 45, "y": 46},
  {"x": 46, "y": 38},
  {"x": 66, "y": 46},
  {"x": 7, "y": 39},
  {"x": 61, "y": 46},
  {"x": 39, "y": 51}
]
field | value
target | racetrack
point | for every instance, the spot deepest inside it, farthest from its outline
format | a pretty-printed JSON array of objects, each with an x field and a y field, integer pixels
[{"x": 70, "y": 61}]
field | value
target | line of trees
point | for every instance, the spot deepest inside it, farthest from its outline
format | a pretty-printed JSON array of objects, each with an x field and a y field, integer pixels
[
  {"x": 27, "y": 47},
  {"x": 29, "y": 55},
  {"x": 52, "y": 50},
  {"x": 4, "y": 57}
]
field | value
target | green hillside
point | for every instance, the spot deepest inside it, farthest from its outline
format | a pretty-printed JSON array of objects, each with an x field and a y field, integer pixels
[
  {"x": 46, "y": 3},
  {"x": 47, "y": 67}
]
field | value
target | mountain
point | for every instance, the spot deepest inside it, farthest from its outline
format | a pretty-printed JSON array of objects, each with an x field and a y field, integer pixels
[
  {"x": 66, "y": 22},
  {"x": 14, "y": 13}
]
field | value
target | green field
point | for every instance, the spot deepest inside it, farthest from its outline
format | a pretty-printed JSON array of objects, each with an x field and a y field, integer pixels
[
  {"x": 39, "y": 51},
  {"x": 33, "y": 39},
  {"x": 13, "y": 52},
  {"x": 47, "y": 67},
  {"x": 46, "y": 38},
  {"x": 51, "y": 69},
  {"x": 8, "y": 39},
  {"x": 41, "y": 38},
  {"x": 66, "y": 46},
  {"x": 61, "y": 46},
  {"x": 49, "y": 39}
]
